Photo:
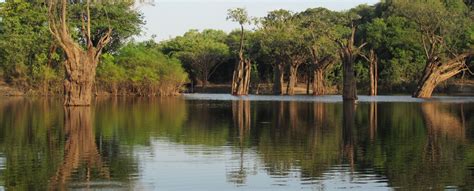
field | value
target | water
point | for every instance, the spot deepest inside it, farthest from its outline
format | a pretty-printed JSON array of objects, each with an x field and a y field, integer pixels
[{"x": 220, "y": 142}]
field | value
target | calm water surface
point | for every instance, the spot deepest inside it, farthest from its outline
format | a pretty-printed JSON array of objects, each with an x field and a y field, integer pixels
[{"x": 220, "y": 142}]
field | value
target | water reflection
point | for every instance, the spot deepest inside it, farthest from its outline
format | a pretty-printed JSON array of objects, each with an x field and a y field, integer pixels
[
  {"x": 173, "y": 143},
  {"x": 80, "y": 150}
]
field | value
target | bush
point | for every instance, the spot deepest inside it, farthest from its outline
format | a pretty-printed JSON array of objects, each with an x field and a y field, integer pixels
[{"x": 141, "y": 69}]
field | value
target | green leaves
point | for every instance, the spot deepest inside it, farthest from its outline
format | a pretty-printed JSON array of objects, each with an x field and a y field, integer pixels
[
  {"x": 200, "y": 52},
  {"x": 239, "y": 15}
]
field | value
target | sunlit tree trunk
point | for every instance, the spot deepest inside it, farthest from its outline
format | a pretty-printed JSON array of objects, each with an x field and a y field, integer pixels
[
  {"x": 320, "y": 65},
  {"x": 373, "y": 73},
  {"x": 437, "y": 71},
  {"x": 241, "y": 76},
  {"x": 81, "y": 64}
]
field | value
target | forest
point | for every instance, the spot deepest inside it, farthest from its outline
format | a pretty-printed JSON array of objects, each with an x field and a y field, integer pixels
[{"x": 395, "y": 46}]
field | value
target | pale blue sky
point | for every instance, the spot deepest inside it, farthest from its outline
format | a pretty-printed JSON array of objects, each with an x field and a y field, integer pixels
[{"x": 170, "y": 18}]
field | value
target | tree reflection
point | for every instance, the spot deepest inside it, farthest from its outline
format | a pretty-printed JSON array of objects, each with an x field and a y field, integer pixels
[
  {"x": 349, "y": 109},
  {"x": 242, "y": 121},
  {"x": 80, "y": 149},
  {"x": 440, "y": 123}
]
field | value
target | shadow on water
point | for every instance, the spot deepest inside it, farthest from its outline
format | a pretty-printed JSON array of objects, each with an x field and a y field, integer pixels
[{"x": 318, "y": 145}]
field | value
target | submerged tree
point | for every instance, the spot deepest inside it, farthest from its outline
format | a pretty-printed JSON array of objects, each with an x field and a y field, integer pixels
[
  {"x": 241, "y": 76},
  {"x": 446, "y": 42},
  {"x": 373, "y": 71},
  {"x": 200, "y": 52},
  {"x": 318, "y": 27},
  {"x": 348, "y": 52},
  {"x": 284, "y": 42},
  {"x": 81, "y": 61}
]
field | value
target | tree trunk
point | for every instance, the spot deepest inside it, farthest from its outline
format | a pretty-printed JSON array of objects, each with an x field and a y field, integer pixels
[
  {"x": 81, "y": 60},
  {"x": 349, "y": 90},
  {"x": 292, "y": 80},
  {"x": 308, "y": 81},
  {"x": 348, "y": 52},
  {"x": 278, "y": 79},
  {"x": 318, "y": 82},
  {"x": 373, "y": 73},
  {"x": 80, "y": 75},
  {"x": 436, "y": 72},
  {"x": 241, "y": 76}
]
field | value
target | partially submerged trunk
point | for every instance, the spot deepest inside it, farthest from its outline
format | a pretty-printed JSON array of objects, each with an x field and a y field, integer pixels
[
  {"x": 349, "y": 89},
  {"x": 278, "y": 79},
  {"x": 292, "y": 79},
  {"x": 80, "y": 75},
  {"x": 318, "y": 82},
  {"x": 373, "y": 74},
  {"x": 320, "y": 65},
  {"x": 437, "y": 71},
  {"x": 241, "y": 76},
  {"x": 348, "y": 53},
  {"x": 81, "y": 63}
]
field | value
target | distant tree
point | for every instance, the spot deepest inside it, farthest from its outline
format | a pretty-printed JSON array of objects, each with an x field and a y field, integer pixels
[
  {"x": 200, "y": 52},
  {"x": 283, "y": 41},
  {"x": 318, "y": 26},
  {"x": 242, "y": 71}
]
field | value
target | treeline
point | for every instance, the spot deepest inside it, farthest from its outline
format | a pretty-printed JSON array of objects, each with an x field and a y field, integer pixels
[
  {"x": 32, "y": 60},
  {"x": 393, "y": 46}
]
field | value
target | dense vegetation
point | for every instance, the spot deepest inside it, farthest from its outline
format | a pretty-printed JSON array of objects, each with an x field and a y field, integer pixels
[
  {"x": 32, "y": 60},
  {"x": 393, "y": 46}
]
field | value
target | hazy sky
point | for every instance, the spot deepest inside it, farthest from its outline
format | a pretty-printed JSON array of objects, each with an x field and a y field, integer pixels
[{"x": 170, "y": 18}]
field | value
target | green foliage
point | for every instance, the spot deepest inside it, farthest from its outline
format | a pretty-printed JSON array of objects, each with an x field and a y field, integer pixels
[
  {"x": 141, "y": 68},
  {"x": 239, "y": 15},
  {"x": 30, "y": 58},
  {"x": 200, "y": 52}
]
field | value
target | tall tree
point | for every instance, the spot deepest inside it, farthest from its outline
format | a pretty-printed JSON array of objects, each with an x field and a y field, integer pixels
[
  {"x": 242, "y": 71},
  {"x": 81, "y": 62},
  {"x": 318, "y": 26},
  {"x": 284, "y": 42},
  {"x": 348, "y": 52},
  {"x": 373, "y": 71}
]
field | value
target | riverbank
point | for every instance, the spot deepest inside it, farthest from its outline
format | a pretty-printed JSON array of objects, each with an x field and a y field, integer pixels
[{"x": 453, "y": 87}]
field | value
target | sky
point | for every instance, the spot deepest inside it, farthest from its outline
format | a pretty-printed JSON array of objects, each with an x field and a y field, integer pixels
[{"x": 170, "y": 18}]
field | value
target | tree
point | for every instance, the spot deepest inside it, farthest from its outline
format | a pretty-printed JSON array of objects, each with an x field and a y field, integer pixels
[
  {"x": 200, "y": 52},
  {"x": 81, "y": 62},
  {"x": 318, "y": 26},
  {"x": 284, "y": 43},
  {"x": 373, "y": 71},
  {"x": 242, "y": 71},
  {"x": 445, "y": 42},
  {"x": 348, "y": 52},
  {"x": 30, "y": 56},
  {"x": 26, "y": 57}
]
